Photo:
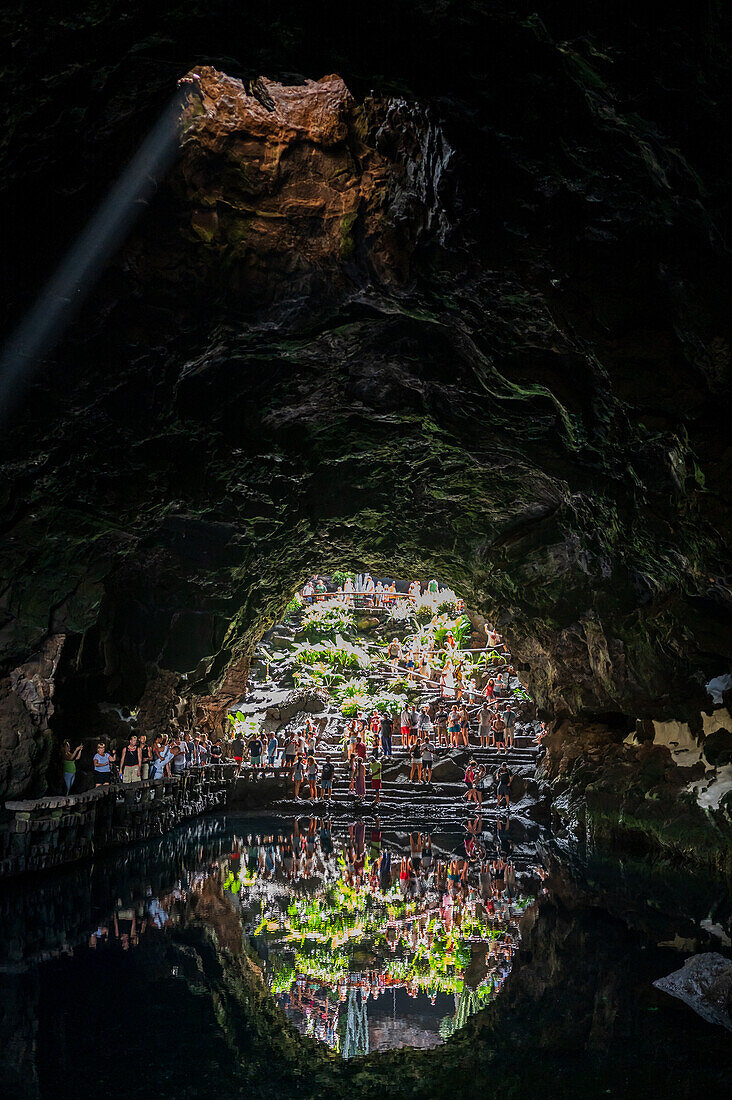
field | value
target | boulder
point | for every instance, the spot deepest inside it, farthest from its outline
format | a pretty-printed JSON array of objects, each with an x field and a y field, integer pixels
[
  {"x": 704, "y": 983},
  {"x": 447, "y": 771},
  {"x": 300, "y": 702}
]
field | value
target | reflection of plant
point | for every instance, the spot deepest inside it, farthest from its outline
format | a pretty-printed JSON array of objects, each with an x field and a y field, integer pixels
[
  {"x": 471, "y": 1001},
  {"x": 283, "y": 975},
  {"x": 327, "y": 966}
]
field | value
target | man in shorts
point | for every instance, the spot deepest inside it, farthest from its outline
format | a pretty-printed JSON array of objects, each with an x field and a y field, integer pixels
[
  {"x": 404, "y": 722},
  {"x": 375, "y": 766},
  {"x": 237, "y": 751},
  {"x": 499, "y": 733},
  {"x": 255, "y": 751}
]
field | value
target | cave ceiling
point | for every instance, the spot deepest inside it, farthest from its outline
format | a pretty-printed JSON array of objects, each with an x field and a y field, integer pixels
[{"x": 451, "y": 303}]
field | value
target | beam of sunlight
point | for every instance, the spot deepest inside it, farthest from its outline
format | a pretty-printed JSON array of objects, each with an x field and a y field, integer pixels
[{"x": 77, "y": 273}]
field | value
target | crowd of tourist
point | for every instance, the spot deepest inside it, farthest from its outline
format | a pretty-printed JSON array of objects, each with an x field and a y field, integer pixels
[
  {"x": 138, "y": 759},
  {"x": 361, "y": 590},
  {"x": 423, "y": 734}
]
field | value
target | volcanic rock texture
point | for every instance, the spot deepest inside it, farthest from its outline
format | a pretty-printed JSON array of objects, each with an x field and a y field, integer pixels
[{"x": 460, "y": 310}]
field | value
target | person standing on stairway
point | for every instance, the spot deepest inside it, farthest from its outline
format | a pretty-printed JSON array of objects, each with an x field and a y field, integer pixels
[
  {"x": 386, "y": 731},
  {"x": 416, "y": 754},
  {"x": 509, "y": 717},
  {"x": 394, "y": 653},
  {"x": 375, "y": 766},
  {"x": 427, "y": 758},
  {"x": 485, "y": 720},
  {"x": 441, "y": 725},
  {"x": 413, "y": 727},
  {"x": 404, "y": 719}
]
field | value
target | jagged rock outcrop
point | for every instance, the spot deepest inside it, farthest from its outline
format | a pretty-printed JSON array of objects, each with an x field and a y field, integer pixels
[
  {"x": 26, "y": 708},
  {"x": 292, "y": 187}
]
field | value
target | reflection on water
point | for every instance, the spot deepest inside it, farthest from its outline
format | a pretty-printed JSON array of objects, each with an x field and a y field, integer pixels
[
  {"x": 368, "y": 939},
  {"x": 373, "y": 941}
]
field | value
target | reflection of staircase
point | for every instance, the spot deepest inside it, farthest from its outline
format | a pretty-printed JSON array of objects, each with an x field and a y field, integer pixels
[{"x": 357, "y": 1030}]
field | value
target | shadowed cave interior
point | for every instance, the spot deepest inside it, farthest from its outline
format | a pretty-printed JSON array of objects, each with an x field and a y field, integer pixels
[{"x": 448, "y": 301}]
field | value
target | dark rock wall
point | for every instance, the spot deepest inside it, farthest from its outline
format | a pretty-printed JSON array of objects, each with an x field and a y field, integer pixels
[{"x": 469, "y": 320}]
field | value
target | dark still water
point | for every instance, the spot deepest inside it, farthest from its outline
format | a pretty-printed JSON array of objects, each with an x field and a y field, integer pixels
[{"x": 267, "y": 957}]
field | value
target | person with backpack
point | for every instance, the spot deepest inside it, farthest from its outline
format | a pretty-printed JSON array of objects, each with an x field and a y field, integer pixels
[{"x": 326, "y": 778}]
